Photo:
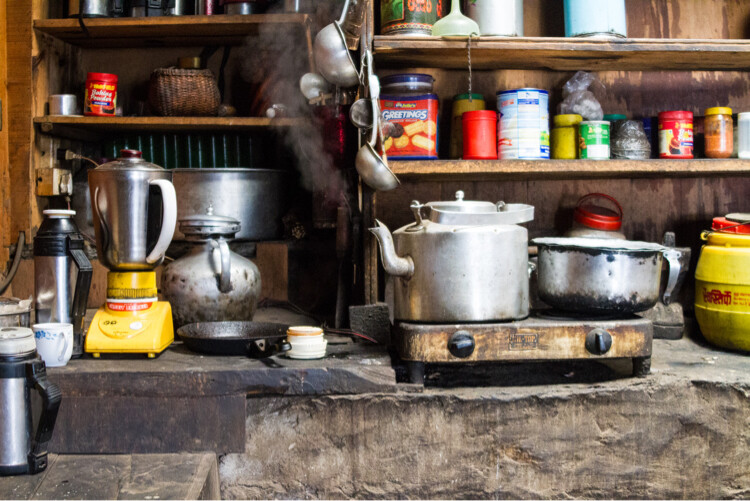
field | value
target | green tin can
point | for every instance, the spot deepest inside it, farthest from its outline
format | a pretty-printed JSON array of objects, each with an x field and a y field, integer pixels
[
  {"x": 593, "y": 142},
  {"x": 409, "y": 17}
]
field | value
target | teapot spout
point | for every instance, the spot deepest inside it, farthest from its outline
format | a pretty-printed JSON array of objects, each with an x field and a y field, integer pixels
[{"x": 392, "y": 263}]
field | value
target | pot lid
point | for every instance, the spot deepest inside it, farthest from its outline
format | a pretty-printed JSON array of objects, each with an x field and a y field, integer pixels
[
  {"x": 594, "y": 215},
  {"x": 15, "y": 341},
  {"x": 611, "y": 244},
  {"x": 129, "y": 160},
  {"x": 732, "y": 223},
  {"x": 57, "y": 213},
  {"x": 202, "y": 226},
  {"x": 462, "y": 212}
]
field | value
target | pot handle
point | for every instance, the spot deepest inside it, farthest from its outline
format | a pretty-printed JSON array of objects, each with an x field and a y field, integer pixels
[
  {"x": 673, "y": 258},
  {"x": 81, "y": 292},
  {"x": 262, "y": 348},
  {"x": 225, "y": 273},
  {"x": 51, "y": 398},
  {"x": 531, "y": 268},
  {"x": 168, "y": 221}
]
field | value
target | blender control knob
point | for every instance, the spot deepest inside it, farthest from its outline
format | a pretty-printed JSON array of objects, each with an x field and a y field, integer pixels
[
  {"x": 598, "y": 342},
  {"x": 461, "y": 344}
]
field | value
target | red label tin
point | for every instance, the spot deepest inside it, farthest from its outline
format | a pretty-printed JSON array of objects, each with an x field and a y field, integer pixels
[
  {"x": 101, "y": 95},
  {"x": 676, "y": 134},
  {"x": 416, "y": 136}
]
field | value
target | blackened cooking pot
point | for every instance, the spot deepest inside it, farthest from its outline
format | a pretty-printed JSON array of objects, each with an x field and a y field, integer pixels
[{"x": 603, "y": 276}]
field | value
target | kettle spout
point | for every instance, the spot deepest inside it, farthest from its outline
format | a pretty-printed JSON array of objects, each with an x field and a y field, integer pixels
[{"x": 394, "y": 264}]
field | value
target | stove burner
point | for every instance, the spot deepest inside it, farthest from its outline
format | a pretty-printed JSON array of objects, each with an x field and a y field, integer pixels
[{"x": 553, "y": 314}]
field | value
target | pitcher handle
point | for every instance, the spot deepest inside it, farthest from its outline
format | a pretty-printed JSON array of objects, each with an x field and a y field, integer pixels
[
  {"x": 104, "y": 230},
  {"x": 168, "y": 221},
  {"x": 673, "y": 259},
  {"x": 51, "y": 398},
  {"x": 81, "y": 293},
  {"x": 225, "y": 274}
]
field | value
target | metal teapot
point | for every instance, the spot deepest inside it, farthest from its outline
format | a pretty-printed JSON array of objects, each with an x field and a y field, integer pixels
[
  {"x": 210, "y": 283},
  {"x": 464, "y": 261}
]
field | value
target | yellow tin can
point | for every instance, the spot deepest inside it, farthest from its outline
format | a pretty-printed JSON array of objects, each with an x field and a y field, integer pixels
[
  {"x": 722, "y": 283},
  {"x": 462, "y": 104},
  {"x": 564, "y": 137}
]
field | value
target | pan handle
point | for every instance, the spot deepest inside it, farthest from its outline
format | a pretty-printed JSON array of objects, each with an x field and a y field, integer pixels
[
  {"x": 263, "y": 348},
  {"x": 673, "y": 259}
]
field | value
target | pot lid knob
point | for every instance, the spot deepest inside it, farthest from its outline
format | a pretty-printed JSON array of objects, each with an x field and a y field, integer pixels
[{"x": 460, "y": 195}]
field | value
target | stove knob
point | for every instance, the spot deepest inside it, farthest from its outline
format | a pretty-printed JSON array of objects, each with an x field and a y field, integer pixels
[
  {"x": 461, "y": 344},
  {"x": 598, "y": 342}
]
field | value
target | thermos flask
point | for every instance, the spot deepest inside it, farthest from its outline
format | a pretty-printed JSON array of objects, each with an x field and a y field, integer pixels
[{"x": 60, "y": 294}]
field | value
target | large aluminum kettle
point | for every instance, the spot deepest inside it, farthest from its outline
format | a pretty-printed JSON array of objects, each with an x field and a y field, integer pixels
[
  {"x": 22, "y": 448},
  {"x": 135, "y": 212},
  {"x": 461, "y": 261},
  {"x": 211, "y": 283}
]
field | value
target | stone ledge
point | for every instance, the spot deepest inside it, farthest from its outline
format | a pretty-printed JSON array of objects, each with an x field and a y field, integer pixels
[{"x": 682, "y": 432}]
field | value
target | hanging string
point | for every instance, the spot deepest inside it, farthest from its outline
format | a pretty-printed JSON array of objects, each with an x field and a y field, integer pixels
[{"x": 468, "y": 50}]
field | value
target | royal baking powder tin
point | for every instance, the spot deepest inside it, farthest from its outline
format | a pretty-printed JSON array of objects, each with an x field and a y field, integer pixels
[
  {"x": 593, "y": 141},
  {"x": 100, "y": 99},
  {"x": 523, "y": 125}
]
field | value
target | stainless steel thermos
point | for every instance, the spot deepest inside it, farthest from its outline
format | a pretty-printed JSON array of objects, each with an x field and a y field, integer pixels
[
  {"x": 22, "y": 448},
  {"x": 61, "y": 295}
]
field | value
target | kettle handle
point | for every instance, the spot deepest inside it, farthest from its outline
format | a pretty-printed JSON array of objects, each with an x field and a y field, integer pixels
[
  {"x": 168, "y": 221},
  {"x": 225, "y": 274},
  {"x": 673, "y": 258},
  {"x": 83, "y": 284},
  {"x": 51, "y": 398},
  {"x": 104, "y": 230}
]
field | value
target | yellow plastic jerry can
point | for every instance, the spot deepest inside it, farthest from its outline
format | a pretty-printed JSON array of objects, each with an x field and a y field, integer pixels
[{"x": 722, "y": 283}]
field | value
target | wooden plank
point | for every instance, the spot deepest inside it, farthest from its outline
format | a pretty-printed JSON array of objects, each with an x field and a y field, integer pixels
[
  {"x": 63, "y": 125},
  {"x": 83, "y": 477},
  {"x": 175, "y": 31},
  {"x": 19, "y": 114},
  {"x": 4, "y": 154},
  {"x": 273, "y": 263},
  {"x": 168, "y": 476},
  {"x": 133, "y": 424},
  {"x": 565, "y": 54},
  {"x": 468, "y": 170}
]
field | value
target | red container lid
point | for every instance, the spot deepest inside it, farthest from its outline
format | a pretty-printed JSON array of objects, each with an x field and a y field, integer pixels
[
  {"x": 724, "y": 225},
  {"x": 676, "y": 115},
  {"x": 479, "y": 115},
  {"x": 596, "y": 216},
  {"x": 106, "y": 77}
]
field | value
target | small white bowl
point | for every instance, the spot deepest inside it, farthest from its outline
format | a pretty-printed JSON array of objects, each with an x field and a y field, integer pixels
[{"x": 307, "y": 342}]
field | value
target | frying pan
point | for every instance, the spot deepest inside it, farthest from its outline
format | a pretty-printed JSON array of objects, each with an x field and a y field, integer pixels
[{"x": 253, "y": 339}]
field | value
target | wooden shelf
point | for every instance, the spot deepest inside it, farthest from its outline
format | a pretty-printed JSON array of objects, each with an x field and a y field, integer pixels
[
  {"x": 564, "y": 54},
  {"x": 92, "y": 127},
  {"x": 565, "y": 169},
  {"x": 176, "y": 31}
]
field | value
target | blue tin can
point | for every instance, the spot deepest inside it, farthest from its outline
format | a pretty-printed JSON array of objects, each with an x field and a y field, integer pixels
[{"x": 595, "y": 18}]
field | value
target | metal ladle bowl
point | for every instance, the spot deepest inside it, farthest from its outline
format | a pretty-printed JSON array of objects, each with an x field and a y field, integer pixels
[
  {"x": 332, "y": 57},
  {"x": 370, "y": 165}
]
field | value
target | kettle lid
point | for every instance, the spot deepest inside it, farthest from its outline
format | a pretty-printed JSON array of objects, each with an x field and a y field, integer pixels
[
  {"x": 203, "y": 226},
  {"x": 16, "y": 341},
  {"x": 129, "y": 160}
]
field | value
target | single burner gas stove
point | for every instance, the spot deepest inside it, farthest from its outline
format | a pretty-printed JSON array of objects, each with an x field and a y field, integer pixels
[{"x": 546, "y": 335}]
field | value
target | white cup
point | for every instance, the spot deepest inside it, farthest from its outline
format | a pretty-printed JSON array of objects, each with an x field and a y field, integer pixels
[{"x": 54, "y": 343}]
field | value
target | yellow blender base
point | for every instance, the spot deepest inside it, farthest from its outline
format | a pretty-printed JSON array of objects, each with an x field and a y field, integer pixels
[{"x": 150, "y": 331}]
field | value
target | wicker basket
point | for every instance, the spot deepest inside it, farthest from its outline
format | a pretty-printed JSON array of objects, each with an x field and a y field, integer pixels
[{"x": 176, "y": 92}]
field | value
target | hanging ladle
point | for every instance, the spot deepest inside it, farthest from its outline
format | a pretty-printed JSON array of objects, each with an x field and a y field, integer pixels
[
  {"x": 332, "y": 57},
  {"x": 360, "y": 112},
  {"x": 370, "y": 165}
]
